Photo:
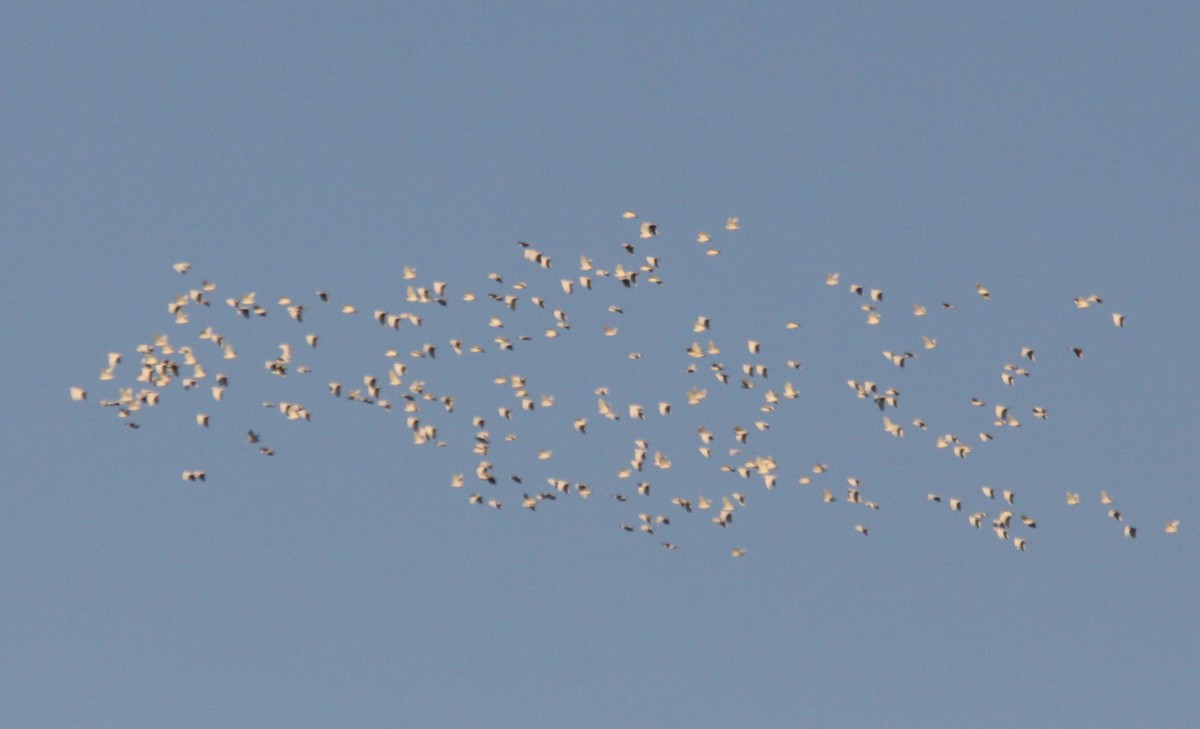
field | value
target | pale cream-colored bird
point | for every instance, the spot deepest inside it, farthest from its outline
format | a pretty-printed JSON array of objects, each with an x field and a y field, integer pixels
[{"x": 893, "y": 428}]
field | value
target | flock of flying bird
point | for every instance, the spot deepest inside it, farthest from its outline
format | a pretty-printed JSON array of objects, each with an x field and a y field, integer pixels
[{"x": 164, "y": 365}]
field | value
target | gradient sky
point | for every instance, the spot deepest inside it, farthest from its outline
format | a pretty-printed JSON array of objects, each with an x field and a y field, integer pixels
[{"x": 1047, "y": 151}]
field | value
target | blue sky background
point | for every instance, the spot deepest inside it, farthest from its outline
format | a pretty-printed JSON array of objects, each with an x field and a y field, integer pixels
[{"x": 1046, "y": 151}]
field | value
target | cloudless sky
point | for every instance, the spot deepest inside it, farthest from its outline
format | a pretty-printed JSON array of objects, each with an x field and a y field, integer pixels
[{"x": 1047, "y": 151}]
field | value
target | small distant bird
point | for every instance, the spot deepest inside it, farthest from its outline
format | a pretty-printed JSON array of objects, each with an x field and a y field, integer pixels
[
  {"x": 1118, "y": 319},
  {"x": 181, "y": 267},
  {"x": 649, "y": 230}
]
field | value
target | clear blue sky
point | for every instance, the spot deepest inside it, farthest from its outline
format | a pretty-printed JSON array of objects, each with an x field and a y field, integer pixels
[{"x": 1046, "y": 151}]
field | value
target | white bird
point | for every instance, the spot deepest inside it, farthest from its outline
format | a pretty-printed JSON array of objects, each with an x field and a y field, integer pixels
[
  {"x": 181, "y": 267},
  {"x": 1172, "y": 527},
  {"x": 649, "y": 230},
  {"x": 1118, "y": 319},
  {"x": 893, "y": 428},
  {"x": 78, "y": 394},
  {"x": 731, "y": 224}
]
